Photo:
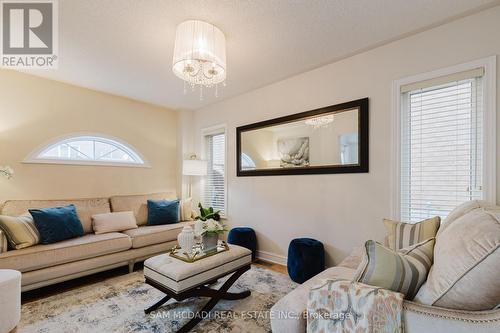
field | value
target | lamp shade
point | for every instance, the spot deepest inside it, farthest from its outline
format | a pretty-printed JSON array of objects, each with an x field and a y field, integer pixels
[
  {"x": 194, "y": 168},
  {"x": 199, "y": 53}
]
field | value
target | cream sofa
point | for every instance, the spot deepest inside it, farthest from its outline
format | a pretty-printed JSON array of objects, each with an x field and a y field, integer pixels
[
  {"x": 288, "y": 314},
  {"x": 42, "y": 265}
]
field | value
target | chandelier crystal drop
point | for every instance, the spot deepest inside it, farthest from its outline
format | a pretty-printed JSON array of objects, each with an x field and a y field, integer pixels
[
  {"x": 320, "y": 122},
  {"x": 200, "y": 55}
]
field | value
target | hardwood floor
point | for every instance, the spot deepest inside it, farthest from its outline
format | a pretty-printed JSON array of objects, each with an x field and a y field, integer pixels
[{"x": 271, "y": 266}]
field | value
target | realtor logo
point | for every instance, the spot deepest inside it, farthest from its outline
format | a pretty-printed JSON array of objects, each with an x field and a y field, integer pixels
[{"x": 29, "y": 34}]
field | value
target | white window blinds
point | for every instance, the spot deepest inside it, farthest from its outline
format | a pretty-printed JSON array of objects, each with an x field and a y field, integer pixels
[
  {"x": 215, "y": 185},
  {"x": 441, "y": 145}
]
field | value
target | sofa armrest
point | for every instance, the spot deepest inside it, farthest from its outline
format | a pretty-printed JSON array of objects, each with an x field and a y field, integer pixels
[{"x": 425, "y": 318}]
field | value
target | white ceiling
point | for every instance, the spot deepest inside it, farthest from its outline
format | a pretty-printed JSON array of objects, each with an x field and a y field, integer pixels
[{"x": 125, "y": 47}]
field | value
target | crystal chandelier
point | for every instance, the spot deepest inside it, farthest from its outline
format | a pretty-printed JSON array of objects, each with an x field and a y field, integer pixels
[
  {"x": 200, "y": 55},
  {"x": 320, "y": 122}
]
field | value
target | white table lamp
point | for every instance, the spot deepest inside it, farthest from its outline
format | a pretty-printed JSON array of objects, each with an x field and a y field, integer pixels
[{"x": 193, "y": 167}]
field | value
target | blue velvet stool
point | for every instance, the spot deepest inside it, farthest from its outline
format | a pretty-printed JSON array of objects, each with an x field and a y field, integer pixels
[
  {"x": 306, "y": 258},
  {"x": 243, "y": 237}
]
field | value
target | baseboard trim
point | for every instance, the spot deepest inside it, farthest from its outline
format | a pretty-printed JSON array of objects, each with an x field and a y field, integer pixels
[{"x": 272, "y": 257}]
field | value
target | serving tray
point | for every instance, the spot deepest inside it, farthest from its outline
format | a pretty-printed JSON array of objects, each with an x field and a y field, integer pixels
[{"x": 197, "y": 253}]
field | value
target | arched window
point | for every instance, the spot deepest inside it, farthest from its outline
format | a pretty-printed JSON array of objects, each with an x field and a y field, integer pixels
[
  {"x": 87, "y": 150},
  {"x": 246, "y": 162}
]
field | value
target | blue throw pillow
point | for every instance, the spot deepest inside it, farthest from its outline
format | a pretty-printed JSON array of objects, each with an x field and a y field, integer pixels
[
  {"x": 57, "y": 224},
  {"x": 163, "y": 212}
]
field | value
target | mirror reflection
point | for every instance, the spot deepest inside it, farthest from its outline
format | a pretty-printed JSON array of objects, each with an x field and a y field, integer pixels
[{"x": 328, "y": 139}]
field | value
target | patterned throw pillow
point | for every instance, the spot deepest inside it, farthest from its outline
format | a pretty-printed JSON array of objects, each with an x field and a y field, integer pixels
[
  {"x": 21, "y": 231},
  {"x": 403, "y": 271},
  {"x": 401, "y": 235},
  {"x": 352, "y": 307}
]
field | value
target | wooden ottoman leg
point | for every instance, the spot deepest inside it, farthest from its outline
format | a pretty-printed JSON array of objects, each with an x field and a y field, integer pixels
[
  {"x": 157, "y": 304},
  {"x": 217, "y": 296}
]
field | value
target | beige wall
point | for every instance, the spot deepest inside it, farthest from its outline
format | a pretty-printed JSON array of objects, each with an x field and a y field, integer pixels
[
  {"x": 346, "y": 209},
  {"x": 34, "y": 110}
]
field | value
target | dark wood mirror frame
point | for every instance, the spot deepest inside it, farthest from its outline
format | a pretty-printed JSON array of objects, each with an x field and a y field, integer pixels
[{"x": 362, "y": 166}]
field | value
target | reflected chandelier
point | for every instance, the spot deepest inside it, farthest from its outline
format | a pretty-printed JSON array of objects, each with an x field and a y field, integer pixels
[
  {"x": 200, "y": 55},
  {"x": 320, "y": 122}
]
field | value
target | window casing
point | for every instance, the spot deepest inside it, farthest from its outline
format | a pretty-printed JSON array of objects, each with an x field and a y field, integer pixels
[
  {"x": 215, "y": 191},
  {"x": 445, "y": 136},
  {"x": 87, "y": 150}
]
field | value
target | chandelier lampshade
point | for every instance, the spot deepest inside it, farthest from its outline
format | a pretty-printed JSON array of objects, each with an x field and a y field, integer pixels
[{"x": 199, "y": 54}]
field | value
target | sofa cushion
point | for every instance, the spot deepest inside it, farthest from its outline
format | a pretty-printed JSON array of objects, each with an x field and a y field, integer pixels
[
  {"x": 463, "y": 209},
  {"x": 20, "y": 231},
  {"x": 403, "y": 271},
  {"x": 112, "y": 222},
  {"x": 401, "y": 235},
  {"x": 138, "y": 204},
  {"x": 57, "y": 224},
  {"x": 466, "y": 262},
  {"x": 155, "y": 234},
  {"x": 85, "y": 208},
  {"x": 87, "y": 246}
]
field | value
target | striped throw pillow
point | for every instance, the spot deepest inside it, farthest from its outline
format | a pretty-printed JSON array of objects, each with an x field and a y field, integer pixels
[
  {"x": 401, "y": 235},
  {"x": 3, "y": 242},
  {"x": 403, "y": 271},
  {"x": 21, "y": 231}
]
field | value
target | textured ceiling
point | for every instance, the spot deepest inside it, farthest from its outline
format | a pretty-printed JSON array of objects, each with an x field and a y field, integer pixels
[{"x": 125, "y": 47}]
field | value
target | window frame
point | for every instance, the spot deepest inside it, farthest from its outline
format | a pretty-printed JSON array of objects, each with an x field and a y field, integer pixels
[
  {"x": 33, "y": 157},
  {"x": 208, "y": 131},
  {"x": 489, "y": 127}
]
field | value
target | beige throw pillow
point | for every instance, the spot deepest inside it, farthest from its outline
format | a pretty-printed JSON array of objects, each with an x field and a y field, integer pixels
[
  {"x": 21, "y": 231},
  {"x": 403, "y": 271},
  {"x": 466, "y": 267},
  {"x": 112, "y": 222},
  {"x": 186, "y": 207},
  {"x": 401, "y": 235}
]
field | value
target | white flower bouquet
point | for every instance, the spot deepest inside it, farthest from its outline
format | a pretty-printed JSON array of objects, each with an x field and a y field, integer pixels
[{"x": 212, "y": 226}]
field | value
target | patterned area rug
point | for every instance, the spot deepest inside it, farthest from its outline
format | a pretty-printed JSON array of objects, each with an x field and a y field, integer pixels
[{"x": 117, "y": 305}]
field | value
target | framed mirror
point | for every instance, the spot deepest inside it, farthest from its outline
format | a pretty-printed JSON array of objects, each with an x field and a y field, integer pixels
[{"x": 333, "y": 139}]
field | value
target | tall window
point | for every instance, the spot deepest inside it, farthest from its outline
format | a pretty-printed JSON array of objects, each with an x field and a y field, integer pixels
[
  {"x": 442, "y": 144},
  {"x": 215, "y": 184},
  {"x": 87, "y": 149}
]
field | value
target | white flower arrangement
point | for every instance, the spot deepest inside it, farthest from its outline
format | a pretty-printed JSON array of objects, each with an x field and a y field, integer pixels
[
  {"x": 6, "y": 171},
  {"x": 211, "y": 221},
  {"x": 212, "y": 226}
]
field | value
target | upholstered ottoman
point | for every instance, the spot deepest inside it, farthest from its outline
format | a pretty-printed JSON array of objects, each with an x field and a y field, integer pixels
[
  {"x": 181, "y": 280},
  {"x": 245, "y": 237},
  {"x": 10, "y": 299},
  {"x": 306, "y": 258}
]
